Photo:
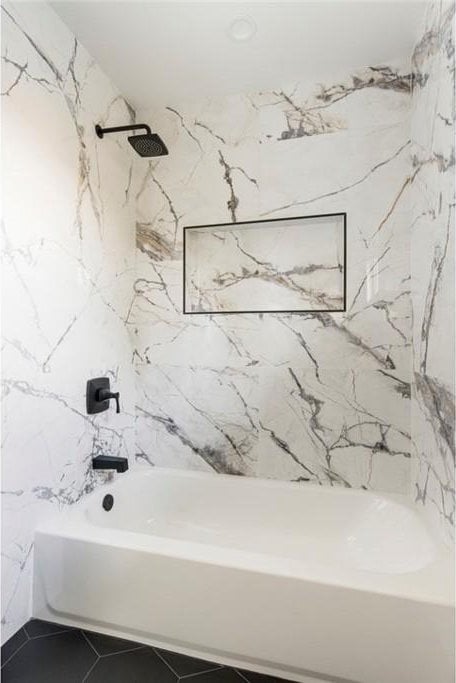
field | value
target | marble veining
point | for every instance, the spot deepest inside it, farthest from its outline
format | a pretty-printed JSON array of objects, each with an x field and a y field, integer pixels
[
  {"x": 68, "y": 259},
  {"x": 329, "y": 399},
  {"x": 290, "y": 265},
  {"x": 312, "y": 115},
  {"x": 433, "y": 269}
]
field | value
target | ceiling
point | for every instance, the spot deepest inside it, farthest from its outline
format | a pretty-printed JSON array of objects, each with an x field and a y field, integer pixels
[{"x": 165, "y": 52}]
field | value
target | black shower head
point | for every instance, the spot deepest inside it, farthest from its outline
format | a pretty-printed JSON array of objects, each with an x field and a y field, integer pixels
[{"x": 146, "y": 145}]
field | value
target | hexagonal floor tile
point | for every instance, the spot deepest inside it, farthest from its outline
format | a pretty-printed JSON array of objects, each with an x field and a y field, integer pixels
[
  {"x": 253, "y": 677},
  {"x": 36, "y": 627},
  {"x": 109, "y": 645},
  {"x": 218, "y": 676},
  {"x": 183, "y": 665},
  {"x": 13, "y": 644},
  {"x": 65, "y": 656},
  {"x": 139, "y": 666}
]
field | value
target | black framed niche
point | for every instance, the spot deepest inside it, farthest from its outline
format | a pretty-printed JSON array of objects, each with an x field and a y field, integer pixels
[{"x": 280, "y": 265}]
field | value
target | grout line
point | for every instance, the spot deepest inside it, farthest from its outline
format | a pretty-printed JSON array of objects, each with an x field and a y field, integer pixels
[
  {"x": 54, "y": 633},
  {"x": 121, "y": 652},
  {"x": 90, "y": 670},
  {"x": 188, "y": 677},
  {"x": 92, "y": 646},
  {"x": 16, "y": 651},
  {"x": 165, "y": 662},
  {"x": 244, "y": 678}
]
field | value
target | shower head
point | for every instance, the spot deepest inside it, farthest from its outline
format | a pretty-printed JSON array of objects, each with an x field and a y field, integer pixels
[{"x": 146, "y": 145}]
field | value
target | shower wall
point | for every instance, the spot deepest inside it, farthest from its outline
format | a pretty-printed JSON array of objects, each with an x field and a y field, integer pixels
[
  {"x": 68, "y": 239},
  {"x": 433, "y": 268},
  {"x": 305, "y": 397}
]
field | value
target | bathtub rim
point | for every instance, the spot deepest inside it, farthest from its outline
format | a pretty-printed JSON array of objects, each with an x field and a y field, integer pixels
[{"x": 433, "y": 584}]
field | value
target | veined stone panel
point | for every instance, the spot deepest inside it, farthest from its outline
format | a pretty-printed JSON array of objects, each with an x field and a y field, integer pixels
[
  {"x": 433, "y": 265},
  {"x": 67, "y": 278},
  {"x": 322, "y": 397}
]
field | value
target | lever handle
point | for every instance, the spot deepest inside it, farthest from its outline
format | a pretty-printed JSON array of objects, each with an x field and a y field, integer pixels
[
  {"x": 115, "y": 396},
  {"x": 106, "y": 395}
]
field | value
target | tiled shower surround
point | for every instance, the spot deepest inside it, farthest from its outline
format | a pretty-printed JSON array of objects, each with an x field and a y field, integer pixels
[
  {"x": 433, "y": 267},
  {"x": 68, "y": 240},
  {"x": 333, "y": 398},
  {"x": 311, "y": 397}
]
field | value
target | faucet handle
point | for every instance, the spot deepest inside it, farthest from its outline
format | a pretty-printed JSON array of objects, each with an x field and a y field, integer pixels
[
  {"x": 106, "y": 395},
  {"x": 115, "y": 395}
]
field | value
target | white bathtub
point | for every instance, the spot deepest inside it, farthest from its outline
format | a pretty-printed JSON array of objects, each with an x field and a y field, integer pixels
[{"x": 296, "y": 580}]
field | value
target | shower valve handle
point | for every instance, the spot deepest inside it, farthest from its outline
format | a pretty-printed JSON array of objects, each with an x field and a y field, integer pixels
[{"x": 106, "y": 395}]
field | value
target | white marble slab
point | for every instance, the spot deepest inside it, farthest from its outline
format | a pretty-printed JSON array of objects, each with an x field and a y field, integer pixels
[
  {"x": 313, "y": 396},
  {"x": 295, "y": 264},
  {"x": 67, "y": 277},
  {"x": 433, "y": 265}
]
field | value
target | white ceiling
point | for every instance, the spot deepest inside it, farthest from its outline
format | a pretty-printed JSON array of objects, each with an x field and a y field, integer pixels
[{"x": 165, "y": 52}]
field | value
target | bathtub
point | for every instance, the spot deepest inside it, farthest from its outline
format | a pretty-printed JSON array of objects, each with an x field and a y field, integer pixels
[{"x": 295, "y": 580}]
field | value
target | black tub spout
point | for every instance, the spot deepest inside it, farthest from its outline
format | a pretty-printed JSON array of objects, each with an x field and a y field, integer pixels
[{"x": 110, "y": 462}]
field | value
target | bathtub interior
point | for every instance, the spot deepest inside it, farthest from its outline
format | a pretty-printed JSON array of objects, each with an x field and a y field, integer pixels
[{"x": 349, "y": 529}]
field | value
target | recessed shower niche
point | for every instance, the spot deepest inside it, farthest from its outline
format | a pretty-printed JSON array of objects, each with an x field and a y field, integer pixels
[{"x": 279, "y": 265}]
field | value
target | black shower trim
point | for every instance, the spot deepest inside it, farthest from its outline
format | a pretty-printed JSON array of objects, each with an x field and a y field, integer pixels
[
  {"x": 146, "y": 145},
  {"x": 119, "y": 129}
]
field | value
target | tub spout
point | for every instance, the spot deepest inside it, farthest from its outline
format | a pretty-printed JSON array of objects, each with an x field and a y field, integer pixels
[{"x": 110, "y": 462}]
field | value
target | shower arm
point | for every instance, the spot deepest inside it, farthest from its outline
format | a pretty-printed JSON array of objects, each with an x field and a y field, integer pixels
[{"x": 118, "y": 129}]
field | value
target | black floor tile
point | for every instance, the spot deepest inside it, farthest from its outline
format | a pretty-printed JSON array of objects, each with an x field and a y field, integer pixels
[
  {"x": 36, "y": 627},
  {"x": 254, "y": 677},
  {"x": 62, "y": 657},
  {"x": 184, "y": 665},
  {"x": 139, "y": 666},
  {"x": 13, "y": 644},
  {"x": 108, "y": 645},
  {"x": 219, "y": 676},
  {"x": 45, "y": 652}
]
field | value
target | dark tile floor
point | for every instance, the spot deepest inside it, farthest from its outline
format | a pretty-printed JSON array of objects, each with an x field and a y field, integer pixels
[{"x": 42, "y": 652}]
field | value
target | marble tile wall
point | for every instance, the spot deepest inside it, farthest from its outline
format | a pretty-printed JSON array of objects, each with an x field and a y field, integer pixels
[
  {"x": 285, "y": 265},
  {"x": 321, "y": 397},
  {"x": 433, "y": 265},
  {"x": 67, "y": 278}
]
